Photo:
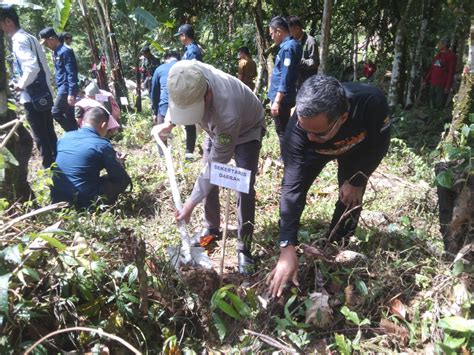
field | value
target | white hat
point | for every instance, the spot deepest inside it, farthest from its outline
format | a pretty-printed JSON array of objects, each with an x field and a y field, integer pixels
[
  {"x": 91, "y": 90},
  {"x": 186, "y": 87}
]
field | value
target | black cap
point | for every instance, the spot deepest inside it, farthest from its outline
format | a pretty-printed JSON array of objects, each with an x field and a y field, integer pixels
[
  {"x": 145, "y": 49},
  {"x": 186, "y": 30},
  {"x": 46, "y": 33}
]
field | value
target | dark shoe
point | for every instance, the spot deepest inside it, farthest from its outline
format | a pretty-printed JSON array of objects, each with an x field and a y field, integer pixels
[
  {"x": 205, "y": 237},
  {"x": 246, "y": 263},
  {"x": 189, "y": 157}
]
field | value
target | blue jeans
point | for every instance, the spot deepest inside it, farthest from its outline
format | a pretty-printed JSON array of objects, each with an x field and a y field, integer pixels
[{"x": 63, "y": 113}]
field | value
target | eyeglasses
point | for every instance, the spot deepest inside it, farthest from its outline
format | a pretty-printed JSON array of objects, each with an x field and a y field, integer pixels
[{"x": 320, "y": 134}]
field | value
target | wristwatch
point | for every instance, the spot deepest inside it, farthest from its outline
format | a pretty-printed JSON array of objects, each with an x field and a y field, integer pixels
[{"x": 285, "y": 243}]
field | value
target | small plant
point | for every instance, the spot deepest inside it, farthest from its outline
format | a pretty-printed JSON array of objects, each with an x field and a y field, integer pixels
[
  {"x": 345, "y": 346},
  {"x": 458, "y": 335},
  {"x": 230, "y": 304}
]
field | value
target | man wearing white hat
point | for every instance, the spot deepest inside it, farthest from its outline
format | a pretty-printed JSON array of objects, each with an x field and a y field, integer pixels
[{"x": 233, "y": 118}]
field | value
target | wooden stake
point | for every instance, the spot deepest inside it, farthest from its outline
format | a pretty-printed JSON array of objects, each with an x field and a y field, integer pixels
[{"x": 224, "y": 235}]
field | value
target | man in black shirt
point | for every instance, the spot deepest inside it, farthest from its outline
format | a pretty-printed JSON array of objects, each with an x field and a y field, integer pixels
[{"x": 333, "y": 121}]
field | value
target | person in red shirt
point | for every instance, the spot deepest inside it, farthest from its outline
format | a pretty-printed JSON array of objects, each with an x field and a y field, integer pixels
[
  {"x": 369, "y": 69},
  {"x": 440, "y": 77}
]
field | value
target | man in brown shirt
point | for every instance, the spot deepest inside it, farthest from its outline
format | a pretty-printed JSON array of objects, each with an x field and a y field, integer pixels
[{"x": 247, "y": 68}]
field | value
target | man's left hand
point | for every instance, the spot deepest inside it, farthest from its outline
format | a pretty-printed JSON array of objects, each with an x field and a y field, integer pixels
[
  {"x": 121, "y": 158},
  {"x": 186, "y": 211},
  {"x": 71, "y": 100},
  {"x": 275, "y": 109},
  {"x": 351, "y": 195}
]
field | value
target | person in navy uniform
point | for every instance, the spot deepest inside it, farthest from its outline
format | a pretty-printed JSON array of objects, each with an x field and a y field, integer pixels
[
  {"x": 192, "y": 51},
  {"x": 186, "y": 36},
  {"x": 65, "y": 77},
  {"x": 82, "y": 155},
  {"x": 282, "y": 92},
  {"x": 345, "y": 122}
]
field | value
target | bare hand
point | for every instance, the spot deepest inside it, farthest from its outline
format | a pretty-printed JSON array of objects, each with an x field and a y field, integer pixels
[
  {"x": 71, "y": 100},
  {"x": 16, "y": 88},
  {"x": 285, "y": 269},
  {"x": 162, "y": 130},
  {"x": 121, "y": 158},
  {"x": 275, "y": 109},
  {"x": 186, "y": 211},
  {"x": 350, "y": 195}
]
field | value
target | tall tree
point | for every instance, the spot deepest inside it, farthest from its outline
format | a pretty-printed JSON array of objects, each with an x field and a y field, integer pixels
[
  {"x": 325, "y": 30},
  {"x": 414, "y": 82},
  {"x": 102, "y": 78},
  {"x": 16, "y": 151},
  {"x": 398, "y": 54}
]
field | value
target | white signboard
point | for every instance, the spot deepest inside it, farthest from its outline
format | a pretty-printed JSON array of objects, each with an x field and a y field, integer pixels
[
  {"x": 124, "y": 101},
  {"x": 230, "y": 177},
  {"x": 101, "y": 98}
]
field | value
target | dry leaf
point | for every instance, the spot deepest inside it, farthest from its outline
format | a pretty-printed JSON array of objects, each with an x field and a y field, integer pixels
[
  {"x": 390, "y": 328},
  {"x": 464, "y": 251},
  {"x": 349, "y": 293},
  {"x": 314, "y": 252},
  {"x": 319, "y": 313},
  {"x": 398, "y": 308}
]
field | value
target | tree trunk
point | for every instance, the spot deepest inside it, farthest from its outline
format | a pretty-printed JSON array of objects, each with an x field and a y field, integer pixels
[
  {"x": 103, "y": 30},
  {"x": 102, "y": 79},
  {"x": 397, "y": 57},
  {"x": 416, "y": 76},
  {"x": 325, "y": 31},
  {"x": 456, "y": 205},
  {"x": 13, "y": 179},
  {"x": 262, "y": 46},
  {"x": 460, "y": 36},
  {"x": 119, "y": 81},
  {"x": 355, "y": 54}
]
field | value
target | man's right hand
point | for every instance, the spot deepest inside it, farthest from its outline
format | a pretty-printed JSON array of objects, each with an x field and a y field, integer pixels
[
  {"x": 163, "y": 130},
  {"x": 286, "y": 268}
]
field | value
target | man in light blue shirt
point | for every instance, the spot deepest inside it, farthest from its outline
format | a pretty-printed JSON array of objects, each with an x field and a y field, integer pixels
[{"x": 159, "y": 89}]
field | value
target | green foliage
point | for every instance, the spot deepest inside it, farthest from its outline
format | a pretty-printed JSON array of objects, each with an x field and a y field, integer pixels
[
  {"x": 353, "y": 317},
  {"x": 458, "y": 334},
  {"x": 42, "y": 184},
  {"x": 231, "y": 305},
  {"x": 6, "y": 158},
  {"x": 61, "y": 16},
  {"x": 145, "y": 18}
]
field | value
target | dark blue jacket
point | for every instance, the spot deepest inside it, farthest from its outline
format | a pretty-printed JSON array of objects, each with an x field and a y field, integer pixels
[
  {"x": 285, "y": 71},
  {"x": 192, "y": 52},
  {"x": 82, "y": 155},
  {"x": 159, "y": 89},
  {"x": 65, "y": 75}
]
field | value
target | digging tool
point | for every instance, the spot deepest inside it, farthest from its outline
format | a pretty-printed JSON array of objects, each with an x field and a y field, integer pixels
[{"x": 185, "y": 253}]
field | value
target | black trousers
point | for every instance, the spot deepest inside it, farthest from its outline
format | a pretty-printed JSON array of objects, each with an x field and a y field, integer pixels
[
  {"x": 41, "y": 124},
  {"x": 281, "y": 121},
  {"x": 64, "y": 114},
  {"x": 190, "y": 138},
  {"x": 246, "y": 156}
]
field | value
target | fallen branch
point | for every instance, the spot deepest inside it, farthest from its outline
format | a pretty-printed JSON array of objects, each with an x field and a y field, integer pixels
[
  {"x": 270, "y": 341},
  {"x": 15, "y": 123},
  {"x": 84, "y": 329},
  {"x": 10, "y": 224}
]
